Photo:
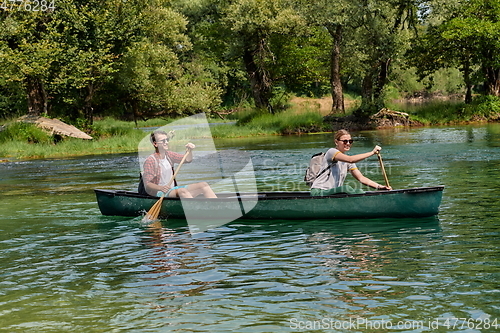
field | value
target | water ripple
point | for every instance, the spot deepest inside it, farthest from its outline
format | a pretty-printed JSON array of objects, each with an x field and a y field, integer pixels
[{"x": 65, "y": 267}]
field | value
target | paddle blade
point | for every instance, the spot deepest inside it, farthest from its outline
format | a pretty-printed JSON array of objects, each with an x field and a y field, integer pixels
[{"x": 154, "y": 212}]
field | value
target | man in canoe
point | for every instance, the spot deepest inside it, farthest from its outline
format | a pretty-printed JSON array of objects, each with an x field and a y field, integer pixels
[
  {"x": 159, "y": 170},
  {"x": 335, "y": 159}
]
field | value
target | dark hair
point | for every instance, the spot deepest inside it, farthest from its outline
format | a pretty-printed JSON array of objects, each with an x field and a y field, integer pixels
[{"x": 153, "y": 135}]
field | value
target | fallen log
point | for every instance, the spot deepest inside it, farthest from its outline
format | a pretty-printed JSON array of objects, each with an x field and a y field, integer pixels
[{"x": 386, "y": 118}]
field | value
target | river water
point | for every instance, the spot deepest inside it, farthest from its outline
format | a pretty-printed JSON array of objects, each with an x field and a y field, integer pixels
[{"x": 67, "y": 268}]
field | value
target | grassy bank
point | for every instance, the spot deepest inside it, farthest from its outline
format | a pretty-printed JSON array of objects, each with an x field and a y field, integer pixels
[
  {"x": 483, "y": 109},
  {"x": 256, "y": 123},
  {"x": 24, "y": 141}
]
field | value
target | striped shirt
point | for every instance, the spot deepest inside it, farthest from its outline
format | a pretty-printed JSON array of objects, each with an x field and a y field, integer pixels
[{"x": 152, "y": 169}]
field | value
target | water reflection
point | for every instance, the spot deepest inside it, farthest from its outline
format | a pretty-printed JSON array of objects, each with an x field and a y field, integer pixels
[
  {"x": 344, "y": 264},
  {"x": 178, "y": 265}
]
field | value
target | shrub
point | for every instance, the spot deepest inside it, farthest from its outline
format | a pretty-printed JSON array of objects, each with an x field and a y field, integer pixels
[{"x": 487, "y": 105}]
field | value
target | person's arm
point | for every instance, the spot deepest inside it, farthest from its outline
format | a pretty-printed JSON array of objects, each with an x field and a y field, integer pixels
[
  {"x": 153, "y": 189},
  {"x": 177, "y": 157},
  {"x": 367, "y": 181},
  {"x": 189, "y": 148},
  {"x": 355, "y": 158},
  {"x": 149, "y": 175}
]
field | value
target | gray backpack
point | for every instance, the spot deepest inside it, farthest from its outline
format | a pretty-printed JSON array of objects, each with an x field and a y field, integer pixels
[{"x": 314, "y": 170}]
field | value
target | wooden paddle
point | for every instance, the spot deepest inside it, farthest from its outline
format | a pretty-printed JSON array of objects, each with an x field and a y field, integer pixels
[
  {"x": 383, "y": 169},
  {"x": 154, "y": 211}
]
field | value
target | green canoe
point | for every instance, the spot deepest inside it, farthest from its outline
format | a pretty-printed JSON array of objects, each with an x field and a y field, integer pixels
[{"x": 414, "y": 202}]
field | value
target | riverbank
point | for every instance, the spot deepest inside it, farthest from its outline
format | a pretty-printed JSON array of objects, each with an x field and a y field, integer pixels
[{"x": 303, "y": 116}]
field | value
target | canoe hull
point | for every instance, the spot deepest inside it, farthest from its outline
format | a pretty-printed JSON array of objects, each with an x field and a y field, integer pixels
[{"x": 416, "y": 202}]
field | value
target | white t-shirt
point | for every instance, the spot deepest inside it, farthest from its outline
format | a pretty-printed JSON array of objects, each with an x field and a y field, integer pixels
[
  {"x": 166, "y": 172},
  {"x": 337, "y": 174}
]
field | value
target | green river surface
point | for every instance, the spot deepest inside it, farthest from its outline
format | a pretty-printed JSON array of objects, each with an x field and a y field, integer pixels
[{"x": 67, "y": 268}]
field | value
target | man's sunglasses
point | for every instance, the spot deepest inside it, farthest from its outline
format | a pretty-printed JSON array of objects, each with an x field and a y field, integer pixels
[
  {"x": 162, "y": 141},
  {"x": 347, "y": 141}
]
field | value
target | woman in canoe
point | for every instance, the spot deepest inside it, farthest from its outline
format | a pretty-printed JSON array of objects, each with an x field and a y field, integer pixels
[
  {"x": 338, "y": 163},
  {"x": 158, "y": 171}
]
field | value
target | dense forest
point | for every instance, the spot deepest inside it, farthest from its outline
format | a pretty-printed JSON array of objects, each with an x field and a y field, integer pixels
[{"x": 131, "y": 59}]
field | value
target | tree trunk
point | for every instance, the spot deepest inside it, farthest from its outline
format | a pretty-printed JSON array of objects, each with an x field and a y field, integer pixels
[
  {"x": 493, "y": 81},
  {"x": 378, "y": 96},
  {"x": 261, "y": 88},
  {"x": 87, "y": 105},
  {"x": 335, "y": 79},
  {"x": 367, "y": 103},
  {"x": 372, "y": 99},
  {"x": 37, "y": 97},
  {"x": 367, "y": 92},
  {"x": 468, "y": 82}
]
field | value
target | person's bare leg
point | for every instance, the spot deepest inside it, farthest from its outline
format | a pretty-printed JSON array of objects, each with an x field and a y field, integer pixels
[
  {"x": 201, "y": 188},
  {"x": 181, "y": 193}
]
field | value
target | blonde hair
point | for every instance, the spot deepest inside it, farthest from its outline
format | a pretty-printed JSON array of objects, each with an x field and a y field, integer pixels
[{"x": 340, "y": 133}]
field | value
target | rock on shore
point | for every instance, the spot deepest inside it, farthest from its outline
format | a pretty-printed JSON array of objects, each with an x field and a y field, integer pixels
[{"x": 55, "y": 126}]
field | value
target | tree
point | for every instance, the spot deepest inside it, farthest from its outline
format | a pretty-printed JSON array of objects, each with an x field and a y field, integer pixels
[
  {"x": 468, "y": 36},
  {"x": 334, "y": 17},
  {"x": 159, "y": 75},
  {"x": 60, "y": 51},
  {"x": 476, "y": 29},
  {"x": 382, "y": 29},
  {"x": 28, "y": 56},
  {"x": 81, "y": 53},
  {"x": 301, "y": 65},
  {"x": 252, "y": 23},
  {"x": 366, "y": 36},
  {"x": 294, "y": 60},
  {"x": 91, "y": 35},
  {"x": 433, "y": 52}
]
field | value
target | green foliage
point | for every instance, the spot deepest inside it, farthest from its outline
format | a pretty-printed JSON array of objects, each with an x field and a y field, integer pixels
[
  {"x": 376, "y": 41},
  {"x": 391, "y": 93},
  {"x": 109, "y": 127},
  {"x": 302, "y": 69},
  {"x": 152, "y": 58},
  {"x": 153, "y": 76},
  {"x": 84, "y": 53},
  {"x": 248, "y": 115},
  {"x": 285, "y": 122},
  {"x": 18, "y": 140},
  {"x": 483, "y": 108},
  {"x": 231, "y": 131},
  {"x": 467, "y": 37},
  {"x": 406, "y": 83},
  {"x": 23, "y": 132},
  {"x": 307, "y": 122},
  {"x": 436, "y": 113},
  {"x": 486, "y": 106},
  {"x": 11, "y": 100}
]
